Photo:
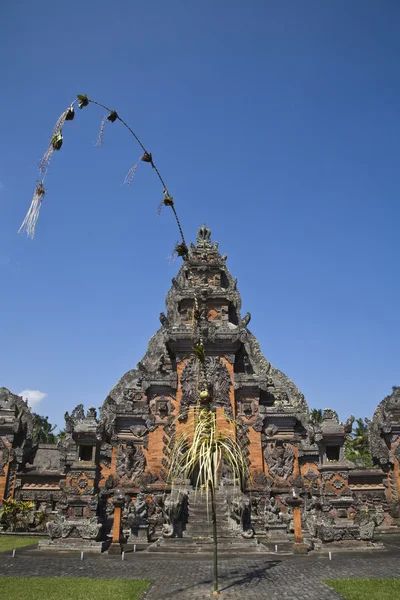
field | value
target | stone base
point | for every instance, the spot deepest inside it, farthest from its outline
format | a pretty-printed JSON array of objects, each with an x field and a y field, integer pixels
[
  {"x": 115, "y": 548},
  {"x": 140, "y": 533},
  {"x": 299, "y": 548},
  {"x": 71, "y": 545}
]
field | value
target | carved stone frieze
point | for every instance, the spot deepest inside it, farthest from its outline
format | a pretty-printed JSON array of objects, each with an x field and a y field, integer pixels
[{"x": 61, "y": 527}]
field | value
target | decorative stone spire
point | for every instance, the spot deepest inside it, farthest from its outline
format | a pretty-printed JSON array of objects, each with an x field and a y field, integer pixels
[{"x": 203, "y": 237}]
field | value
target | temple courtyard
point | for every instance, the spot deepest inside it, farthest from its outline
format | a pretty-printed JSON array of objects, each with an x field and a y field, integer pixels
[{"x": 184, "y": 576}]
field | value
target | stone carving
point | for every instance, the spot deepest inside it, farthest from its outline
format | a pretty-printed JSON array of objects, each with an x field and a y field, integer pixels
[
  {"x": 138, "y": 430},
  {"x": 239, "y": 509},
  {"x": 138, "y": 514},
  {"x": 175, "y": 513},
  {"x": 204, "y": 237},
  {"x": 163, "y": 320},
  {"x": 246, "y": 320},
  {"x": 218, "y": 380},
  {"x": 82, "y": 483},
  {"x": 381, "y": 440},
  {"x": 4, "y": 456},
  {"x": 190, "y": 393},
  {"x": 280, "y": 459},
  {"x": 261, "y": 479},
  {"x": 105, "y": 454},
  {"x": 61, "y": 527},
  {"x": 242, "y": 438},
  {"x": 131, "y": 462},
  {"x": 155, "y": 514},
  {"x": 273, "y": 512},
  {"x": 16, "y": 427},
  {"x": 151, "y": 423}
]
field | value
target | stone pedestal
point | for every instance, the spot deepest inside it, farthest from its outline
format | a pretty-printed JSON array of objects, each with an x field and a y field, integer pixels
[
  {"x": 140, "y": 533},
  {"x": 300, "y": 548}
]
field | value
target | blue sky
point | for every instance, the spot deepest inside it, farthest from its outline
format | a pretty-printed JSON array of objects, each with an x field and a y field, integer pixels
[{"x": 276, "y": 123}]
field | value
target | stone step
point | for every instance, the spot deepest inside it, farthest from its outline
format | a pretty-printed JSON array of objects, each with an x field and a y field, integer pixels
[
  {"x": 285, "y": 547},
  {"x": 202, "y": 513},
  {"x": 221, "y": 525},
  {"x": 198, "y": 531},
  {"x": 206, "y": 546},
  {"x": 219, "y": 505}
]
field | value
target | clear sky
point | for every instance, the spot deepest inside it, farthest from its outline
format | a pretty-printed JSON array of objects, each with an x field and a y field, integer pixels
[{"x": 275, "y": 122}]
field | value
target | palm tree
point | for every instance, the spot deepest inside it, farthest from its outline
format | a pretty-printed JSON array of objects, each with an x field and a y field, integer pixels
[
  {"x": 357, "y": 447},
  {"x": 43, "y": 431},
  {"x": 316, "y": 415}
]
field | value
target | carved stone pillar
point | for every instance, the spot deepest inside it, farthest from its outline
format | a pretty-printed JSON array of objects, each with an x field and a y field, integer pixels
[
  {"x": 298, "y": 547},
  {"x": 118, "y": 502}
]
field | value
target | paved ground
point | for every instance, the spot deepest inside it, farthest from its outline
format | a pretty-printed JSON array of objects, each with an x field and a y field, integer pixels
[{"x": 187, "y": 577}]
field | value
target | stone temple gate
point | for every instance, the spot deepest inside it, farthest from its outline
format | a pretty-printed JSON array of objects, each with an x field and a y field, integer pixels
[{"x": 107, "y": 480}]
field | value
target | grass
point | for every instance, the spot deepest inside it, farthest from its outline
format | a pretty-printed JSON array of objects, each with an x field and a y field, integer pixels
[
  {"x": 8, "y": 542},
  {"x": 360, "y": 589},
  {"x": 60, "y": 588}
]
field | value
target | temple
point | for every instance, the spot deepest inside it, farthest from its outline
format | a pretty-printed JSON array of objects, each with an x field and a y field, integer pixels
[{"x": 105, "y": 485}]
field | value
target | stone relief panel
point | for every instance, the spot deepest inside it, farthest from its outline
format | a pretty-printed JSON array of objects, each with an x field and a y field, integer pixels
[
  {"x": 131, "y": 462},
  {"x": 279, "y": 457},
  {"x": 219, "y": 384}
]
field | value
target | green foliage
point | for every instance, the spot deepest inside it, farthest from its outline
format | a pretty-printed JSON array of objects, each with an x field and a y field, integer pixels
[
  {"x": 359, "y": 589},
  {"x": 199, "y": 352},
  {"x": 68, "y": 588},
  {"x": 357, "y": 447},
  {"x": 316, "y": 415},
  {"x": 14, "y": 514},
  {"x": 61, "y": 435},
  {"x": 43, "y": 431}
]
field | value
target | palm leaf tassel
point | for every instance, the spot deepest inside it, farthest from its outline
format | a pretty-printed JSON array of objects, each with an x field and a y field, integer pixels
[{"x": 31, "y": 218}]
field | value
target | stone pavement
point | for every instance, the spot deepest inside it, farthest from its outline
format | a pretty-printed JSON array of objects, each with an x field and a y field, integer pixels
[{"x": 252, "y": 577}]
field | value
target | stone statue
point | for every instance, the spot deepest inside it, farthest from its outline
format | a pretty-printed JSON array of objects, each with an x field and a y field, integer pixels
[
  {"x": 239, "y": 507},
  {"x": 273, "y": 512},
  {"x": 175, "y": 513}
]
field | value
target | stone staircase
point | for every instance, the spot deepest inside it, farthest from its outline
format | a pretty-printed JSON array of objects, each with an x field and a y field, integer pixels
[{"x": 197, "y": 536}]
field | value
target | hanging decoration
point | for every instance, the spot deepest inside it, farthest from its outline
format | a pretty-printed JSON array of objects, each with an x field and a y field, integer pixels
[{"x": 56, "y": 141}]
